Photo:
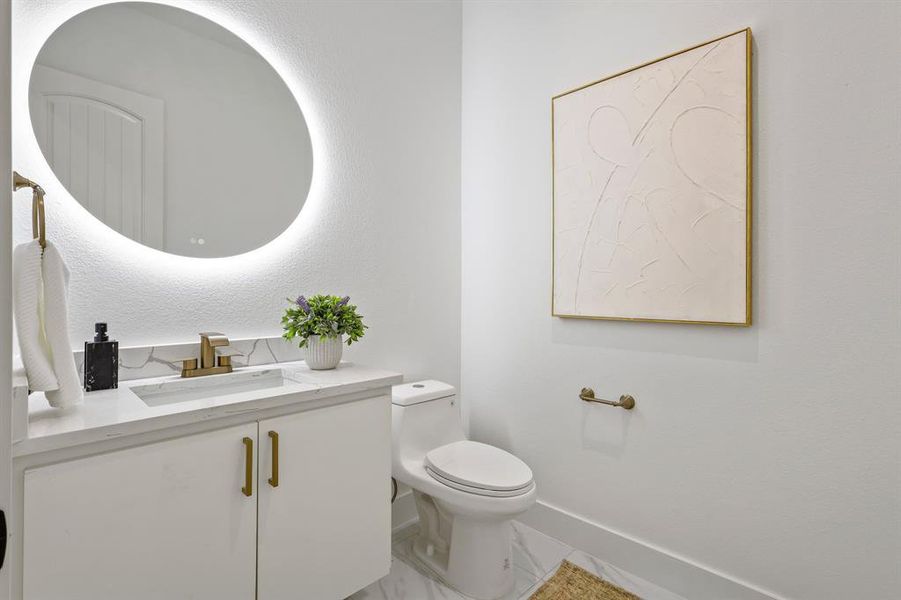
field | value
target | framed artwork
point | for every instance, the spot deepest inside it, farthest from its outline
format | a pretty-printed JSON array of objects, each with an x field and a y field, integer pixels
[{"x": 652, "y": 190}]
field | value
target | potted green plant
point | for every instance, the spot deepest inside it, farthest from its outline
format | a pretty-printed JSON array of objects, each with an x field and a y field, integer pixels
[{"x": 321, "y": 322}]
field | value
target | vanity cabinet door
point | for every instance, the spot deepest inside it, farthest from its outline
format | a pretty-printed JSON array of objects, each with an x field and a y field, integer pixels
[
  {"x": 325, "y": 530},
  {"x": 167, "y": 520}
]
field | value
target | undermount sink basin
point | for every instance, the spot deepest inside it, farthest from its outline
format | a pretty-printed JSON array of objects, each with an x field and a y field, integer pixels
[{"x": 210, "y": 386}]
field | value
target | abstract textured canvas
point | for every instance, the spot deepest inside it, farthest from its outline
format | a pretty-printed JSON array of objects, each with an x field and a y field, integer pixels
[{"x": 651, "y": 172}]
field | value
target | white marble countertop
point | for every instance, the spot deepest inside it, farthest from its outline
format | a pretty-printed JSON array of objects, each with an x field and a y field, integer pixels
[{"x": 110, "y": 414}]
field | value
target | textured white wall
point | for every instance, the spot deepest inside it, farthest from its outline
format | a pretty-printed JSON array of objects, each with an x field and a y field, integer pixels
[
  {"x": 771, "y": 453},
  {"x": 379, "y": 84}
]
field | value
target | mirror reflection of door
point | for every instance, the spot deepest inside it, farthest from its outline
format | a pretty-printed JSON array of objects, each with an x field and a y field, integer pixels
[
  {"x": 115, "y": 82},
  {"x": 105, "y": 144}
]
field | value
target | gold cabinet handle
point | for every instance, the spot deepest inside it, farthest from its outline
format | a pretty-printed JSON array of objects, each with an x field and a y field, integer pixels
[
  {"x": 273, "y": 481},
  {"x": 248, "y": 467}
]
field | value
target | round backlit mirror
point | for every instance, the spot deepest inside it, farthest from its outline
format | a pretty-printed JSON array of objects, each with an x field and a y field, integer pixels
[{"x": 170, "y": 129}]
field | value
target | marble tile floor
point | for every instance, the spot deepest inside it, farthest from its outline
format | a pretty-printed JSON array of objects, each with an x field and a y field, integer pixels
[{"x": 536, "y": 557}]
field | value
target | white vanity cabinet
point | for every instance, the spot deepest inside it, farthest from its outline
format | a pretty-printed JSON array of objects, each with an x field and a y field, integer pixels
[
  {"x": 165, "y": 520},
  {"x": 325, "y": 530},
  {"x": 172, "y": 519}
]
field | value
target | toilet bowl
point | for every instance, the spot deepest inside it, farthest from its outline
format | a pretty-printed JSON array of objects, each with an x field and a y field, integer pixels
[{"x": 466, "y": 492}]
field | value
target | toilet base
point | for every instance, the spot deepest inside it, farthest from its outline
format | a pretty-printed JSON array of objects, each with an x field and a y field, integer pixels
[{"x": 472, "y": 555}]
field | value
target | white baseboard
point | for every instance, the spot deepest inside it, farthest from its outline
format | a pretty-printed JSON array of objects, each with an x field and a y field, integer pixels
[
  {"x": 656, "y": 565},
  {"x": 403, "y": 511}
]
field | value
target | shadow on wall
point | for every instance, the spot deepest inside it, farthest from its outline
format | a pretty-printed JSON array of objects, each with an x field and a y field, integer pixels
[
  {"x": 604, "y": 433},
  {"x": 705, "y": 341}
]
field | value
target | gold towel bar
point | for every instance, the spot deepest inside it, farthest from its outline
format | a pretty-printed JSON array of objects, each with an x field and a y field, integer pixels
[
  {"x": 625, "y": 401},
  {"x": 38, "y": 224}
]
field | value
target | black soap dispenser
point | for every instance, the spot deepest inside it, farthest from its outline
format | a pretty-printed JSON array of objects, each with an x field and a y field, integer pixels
[{"x": 101, "y": 361}]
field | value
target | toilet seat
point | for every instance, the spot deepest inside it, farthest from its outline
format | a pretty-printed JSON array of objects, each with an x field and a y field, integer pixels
[
  {"x": 478, "y": 491},
  {"x": 478, "y": 468}
]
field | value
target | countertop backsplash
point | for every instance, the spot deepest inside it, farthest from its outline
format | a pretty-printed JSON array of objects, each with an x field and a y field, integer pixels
[{"x": 139, "y": 362}]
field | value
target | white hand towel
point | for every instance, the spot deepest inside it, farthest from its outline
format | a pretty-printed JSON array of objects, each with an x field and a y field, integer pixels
[
  {"x": 56, "y": 328},
  {"x": 28, "y": 300}
]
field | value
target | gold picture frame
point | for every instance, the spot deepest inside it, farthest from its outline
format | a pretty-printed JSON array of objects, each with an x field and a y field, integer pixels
[{"x": 747, "y": 321}]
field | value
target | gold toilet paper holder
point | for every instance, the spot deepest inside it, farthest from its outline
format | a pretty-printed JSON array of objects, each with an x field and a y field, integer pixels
[{"x": 625, "y": 401}]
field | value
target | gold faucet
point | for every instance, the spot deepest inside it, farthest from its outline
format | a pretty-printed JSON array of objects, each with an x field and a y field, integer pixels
[{"x": 209, "y": 365}]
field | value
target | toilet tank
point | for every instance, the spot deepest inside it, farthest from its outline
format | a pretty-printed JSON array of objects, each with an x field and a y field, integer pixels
[{"x": 424, "y": 415}]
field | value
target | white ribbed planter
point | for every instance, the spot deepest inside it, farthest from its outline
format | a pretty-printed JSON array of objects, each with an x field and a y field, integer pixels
[{"x": 324, "y": 353}]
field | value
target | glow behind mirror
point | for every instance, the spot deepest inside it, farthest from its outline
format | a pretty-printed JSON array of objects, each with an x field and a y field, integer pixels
[{"x": 170, "y": 129}]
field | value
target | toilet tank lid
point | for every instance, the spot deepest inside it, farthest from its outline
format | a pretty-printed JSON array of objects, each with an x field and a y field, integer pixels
[{"x": 416, "y": 392}]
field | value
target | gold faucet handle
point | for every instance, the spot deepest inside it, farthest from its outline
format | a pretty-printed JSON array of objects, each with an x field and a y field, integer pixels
[
  {"x": 224, "y": 356},
  {"x": 214, "y": 338},
  {"x": 188, "y": 365}
]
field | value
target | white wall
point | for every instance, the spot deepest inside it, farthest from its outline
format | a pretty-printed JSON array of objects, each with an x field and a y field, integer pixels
[
  {"x": 770, "y": 454},
  {"x": 230, "y": 122},
  {"x": 379, "y": 83}
]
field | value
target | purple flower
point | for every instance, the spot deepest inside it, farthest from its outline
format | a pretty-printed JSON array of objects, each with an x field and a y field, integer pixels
[
  {"x": 303, "y": 304},
  {"x": 344, "y": 301}
]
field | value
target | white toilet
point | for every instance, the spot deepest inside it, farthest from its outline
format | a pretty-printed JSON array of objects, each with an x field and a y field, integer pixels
[{"x": 466, "y": 493}]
